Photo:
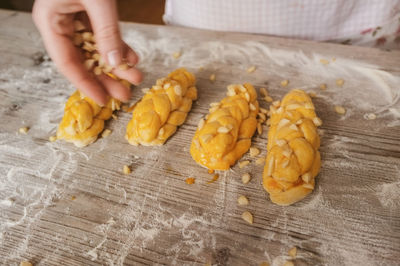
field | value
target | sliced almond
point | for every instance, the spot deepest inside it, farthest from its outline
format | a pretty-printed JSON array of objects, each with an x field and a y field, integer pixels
[
  {"x": 176, "y": 55},
  {"x": 293, "y": 127},
  {"x": 246, "y": 178},
  {"x": 251, "y": 69},
  {"x": 340, "y": 110},
  {"x": 178, "y": 90},
  {"x": 212, "y": 77},
  {"x": 126, "y": 169},
  {"x": 324, "y": 61},
  {"x": 340, "y": 82},
  {"x": 268, "y": 99},
  {"x": 293, "y": 106},
  {"x": 165, "y": 87},
  {"x": 242, "y": 200},
  {"x": 280, "y": 142},
  {"x": 161, "y": 131},
  {"x": 276, "y": 103},
  {"x": 242, "y": 88},
  {"x": 247, "y": 96},
  {"x": 259, "y": 129},
  {"x": 248, "y": 217},
  {"x": 243, "y": 164},
  {"x": 285, "y": 163},
  {"x": 263, "y": 110},
  {"x": 317, "y": 121},
  {"x": 52, "y": 138},
  {"x": 87, "y": 36},
  {"x": 312, "y": 94},
  {"x": 201, "y": 124},
  {"x": 263, "y": 92},
  {"x": 252, "y": 107},
  {"x": 223, "y": 130},
  {"x": 306, "y": 177},
  {"x": 106, "y": 133},
  {"x": 97, "y": 71},
  {"x": 284, "y": 83},
  {"x": 260, "y": 161},
  {"x": 145, "y": 90},
  {"x": 215, "y": 104},
  {"x": 293, "y": 252},
  {"x": 309, "y": 105},
  {"x": 309, "y": 186},
  {"x": 371, "y": 116},
  {"x": 206, "y": 138},
  {"x": 254, "y": 151},
  {"x": 23, "y": 130},
  {"x": 270, "y": 166}
]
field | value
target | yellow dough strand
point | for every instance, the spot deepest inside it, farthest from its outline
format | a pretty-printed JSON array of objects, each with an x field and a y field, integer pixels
[
  {"x": 225, "y": 135},
  {"x": 163, "y": 108},
  {"x": 293, "y": 160}
]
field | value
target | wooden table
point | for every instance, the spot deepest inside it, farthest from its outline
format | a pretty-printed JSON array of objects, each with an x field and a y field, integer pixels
[{"x": 60, "y": 205}]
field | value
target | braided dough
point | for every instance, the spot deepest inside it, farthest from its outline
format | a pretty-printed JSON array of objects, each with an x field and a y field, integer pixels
[
  {"x": 293, "y": 158},
  {"x": 84, "y": 119},
  {"x": 225, "y": 135},
  {"x": 163, "y": 108}
]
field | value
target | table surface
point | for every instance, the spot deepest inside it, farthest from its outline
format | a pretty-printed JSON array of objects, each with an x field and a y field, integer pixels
[{"x": 61, "y": 205}]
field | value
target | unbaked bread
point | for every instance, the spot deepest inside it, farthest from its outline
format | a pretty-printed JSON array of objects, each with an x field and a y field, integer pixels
[
  {"x": 225, "y": 134},
  {"x": 293, "y": 159},
  {"x": 162, "y": 109}
]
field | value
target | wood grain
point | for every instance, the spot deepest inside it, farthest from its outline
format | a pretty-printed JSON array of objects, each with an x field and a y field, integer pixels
[{"x": 60, "y": 205}]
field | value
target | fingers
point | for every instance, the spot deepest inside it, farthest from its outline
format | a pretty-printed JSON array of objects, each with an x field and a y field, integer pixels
[
  {"x": 104, "y": 20},
  {"x": 133, "y": 75},
  {"x": 115, "y": 88}
]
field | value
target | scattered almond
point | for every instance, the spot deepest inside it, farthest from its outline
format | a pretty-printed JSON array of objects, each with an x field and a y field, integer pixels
[
  {"x": 248, "y": 217},
  {"x": 268, "y": 99},
  {"x": 23, "y": 130},
  {"x": 176, "y": 55},
  {"x": 126, "y": 169},
  {"x": 340, "y": 82},
  {"x": 251, "y": 69},
  {"x": 292, "y": 252},
  {"x": 371, "y": 116},
  {"x": 106, "y": 133},
  {"x": 263, "y": 92},
  {"x": 246, "y": 178},
  {"x": 284, "y": 83},
  {"x": 260, "y": 161},
  {"x": 323, "y": 86},
  {"x": 242, "y": 200},
  {"x": 259, "y": 129},
  {"x": 324, "y": 61},
  {"x": 254, "y": 151},
  {"x": 52, "y": 138},
  {"x": 212, "y": 77},
  {"x": 243, "y": 164},
  {"x": 340, "y": 110}
]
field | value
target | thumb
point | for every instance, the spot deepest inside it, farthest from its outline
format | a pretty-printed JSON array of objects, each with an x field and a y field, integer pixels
[{"x": 104, "y": 20}]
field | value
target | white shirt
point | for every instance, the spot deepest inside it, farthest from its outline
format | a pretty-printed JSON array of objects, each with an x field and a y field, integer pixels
[{"x": 352, "y": 21}]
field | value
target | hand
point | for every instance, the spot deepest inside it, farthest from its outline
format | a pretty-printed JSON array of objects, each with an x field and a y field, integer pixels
[{"x": 54, "y": 19}]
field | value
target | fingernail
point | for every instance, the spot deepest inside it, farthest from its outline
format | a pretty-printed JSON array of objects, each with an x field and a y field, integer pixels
[{"x": 114, "y": 58}]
